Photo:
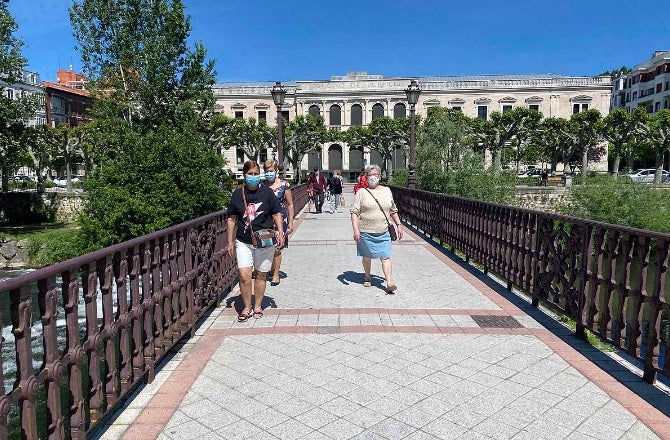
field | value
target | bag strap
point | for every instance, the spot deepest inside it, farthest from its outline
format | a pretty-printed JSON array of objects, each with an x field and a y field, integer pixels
[
  {"x": 245, "y": 211},
  {"x": 380, "y": 207}
]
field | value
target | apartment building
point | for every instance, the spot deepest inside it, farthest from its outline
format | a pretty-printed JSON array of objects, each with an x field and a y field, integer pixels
[
  {"x": 67, "y": 101},
  {"x": 357, "y": 98},
  {"x": 30, "y": 84},
  {"x": 647, "y": 85}
]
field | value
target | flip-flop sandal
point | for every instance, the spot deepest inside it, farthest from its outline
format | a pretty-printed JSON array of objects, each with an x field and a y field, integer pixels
[
  {"x": 391, "y": 289},
  {"x": 367, "y": 283},
  {"x": 244, "y": 315},
  {"x": 258, "y": 313}
]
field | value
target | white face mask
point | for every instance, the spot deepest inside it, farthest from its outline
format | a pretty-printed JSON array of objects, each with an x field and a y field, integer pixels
[{"x": 373, "y": 181}]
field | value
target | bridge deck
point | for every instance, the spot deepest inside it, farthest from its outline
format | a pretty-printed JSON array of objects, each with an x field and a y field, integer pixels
[{"x": 451, "y": 355}]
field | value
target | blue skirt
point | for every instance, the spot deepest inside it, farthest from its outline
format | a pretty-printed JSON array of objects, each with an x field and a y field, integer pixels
[{"x": 374, "y": 245}]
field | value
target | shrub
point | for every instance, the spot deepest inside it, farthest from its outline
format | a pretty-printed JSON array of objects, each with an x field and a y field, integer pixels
[
  {"x": 468, "y": 179},
  {"x": 161, "y": 178},
  {"x": 620, "y": 202},
  {"x": 399, "y": 177}
]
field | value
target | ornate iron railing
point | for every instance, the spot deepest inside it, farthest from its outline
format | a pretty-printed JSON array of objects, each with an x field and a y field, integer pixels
[
  {"x": 105, "y": 320},
  {"x": 610, "y": 279}
]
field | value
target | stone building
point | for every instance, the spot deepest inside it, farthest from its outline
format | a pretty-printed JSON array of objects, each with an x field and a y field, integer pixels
[
  {"x": 357, "y": 98},
  {"x": 30, "y": 84}
]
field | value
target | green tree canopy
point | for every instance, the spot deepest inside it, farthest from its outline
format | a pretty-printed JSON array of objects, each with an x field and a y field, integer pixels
[{"x": 304, "y": 133}]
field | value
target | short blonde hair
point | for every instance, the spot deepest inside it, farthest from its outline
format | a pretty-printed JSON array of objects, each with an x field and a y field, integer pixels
[
  {"x": 270, "y": 163},
  {"x": 337, "y": 172}
]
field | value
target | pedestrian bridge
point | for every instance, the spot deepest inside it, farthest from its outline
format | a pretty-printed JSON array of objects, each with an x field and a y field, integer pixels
[{"x": 141, "y": 340}]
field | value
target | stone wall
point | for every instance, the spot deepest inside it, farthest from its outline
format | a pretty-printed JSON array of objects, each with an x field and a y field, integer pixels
[
  {"x": 13, "y": 254},
  {"x": 540, "y": 198},
  {"x": 28, "y": 207}
]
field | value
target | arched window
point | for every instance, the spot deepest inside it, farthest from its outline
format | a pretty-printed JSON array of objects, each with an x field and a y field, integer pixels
[
  {"x": 399, "y": 111},
  {"x": 314, "y": 110},
  {"x": 356, "y": 114},
  {"x": 335, "y": 157},
  {"x": 356, "y": 159},
  {"x": 335, "y": 115},
  {"x": 377, "y": 111}
]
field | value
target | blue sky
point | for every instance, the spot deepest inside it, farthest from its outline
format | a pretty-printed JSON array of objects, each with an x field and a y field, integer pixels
[{"x": 262, "y": 40}]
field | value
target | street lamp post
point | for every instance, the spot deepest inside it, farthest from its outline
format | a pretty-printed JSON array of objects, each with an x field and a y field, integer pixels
[
  {"x": 278, "y": 95},
  {"x": 412, "y": 91}
]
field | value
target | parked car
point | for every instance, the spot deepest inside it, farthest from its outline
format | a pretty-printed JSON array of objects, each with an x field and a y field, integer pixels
[
  {"x": 62, "y": 181},
  {"x": 534, "y": 172},
  {"x": 646, "y": 175},
  {"x": 22, "y": 178}
]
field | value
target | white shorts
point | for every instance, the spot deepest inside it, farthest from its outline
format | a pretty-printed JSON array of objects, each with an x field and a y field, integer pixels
[{"x": 249, "y": 256}]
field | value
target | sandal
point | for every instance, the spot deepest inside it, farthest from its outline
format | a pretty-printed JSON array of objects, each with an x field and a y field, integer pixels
[
  {"x": 244, "y": 315},
  {"x": 274, "y": 283},
  {"x": 367, "y": 283},
  {"x": 258, "y": 313},
  {"x": 391, "y": 288}
]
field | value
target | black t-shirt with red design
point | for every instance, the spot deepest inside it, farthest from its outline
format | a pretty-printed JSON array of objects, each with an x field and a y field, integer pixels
[{"x": 261, "y": 205}]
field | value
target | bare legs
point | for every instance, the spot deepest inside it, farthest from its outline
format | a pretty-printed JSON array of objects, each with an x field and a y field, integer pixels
[
  {"x": 387, "y": 268},
  {"x": 367, "y": 264},
  {"x": 276, "y": 263},
  {"x": 248, "y": 286}
]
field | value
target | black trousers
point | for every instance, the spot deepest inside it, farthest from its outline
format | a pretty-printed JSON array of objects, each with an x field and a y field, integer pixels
[{"x": 319, "y": 197}]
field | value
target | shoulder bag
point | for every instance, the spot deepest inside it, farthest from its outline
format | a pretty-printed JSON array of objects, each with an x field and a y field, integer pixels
[
  {"x": 392, "y": 231},
  {"x": 263, "y": 238}
]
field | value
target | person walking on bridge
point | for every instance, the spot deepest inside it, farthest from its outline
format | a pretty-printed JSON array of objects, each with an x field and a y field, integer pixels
[
  {"x": 253, "y": 207},
  {"x": 283, "y": 193},
  {"x": 317, "y": 182},
  {"x": 370, "y": 214}
]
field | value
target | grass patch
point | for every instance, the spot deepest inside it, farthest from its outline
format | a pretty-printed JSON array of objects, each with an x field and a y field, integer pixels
[
  {"x": 48, "y": 244},
  {"x": 589, "y": 336}
]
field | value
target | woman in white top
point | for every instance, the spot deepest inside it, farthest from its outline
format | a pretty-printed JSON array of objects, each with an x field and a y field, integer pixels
[{"x": 371, "y": 213}]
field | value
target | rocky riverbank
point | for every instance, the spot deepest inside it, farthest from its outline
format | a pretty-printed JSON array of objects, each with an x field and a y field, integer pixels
[{"x": 14, "y": 254}]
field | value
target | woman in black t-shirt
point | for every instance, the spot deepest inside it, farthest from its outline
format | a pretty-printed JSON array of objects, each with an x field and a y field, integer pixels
[{"x": 263, "y": 211}]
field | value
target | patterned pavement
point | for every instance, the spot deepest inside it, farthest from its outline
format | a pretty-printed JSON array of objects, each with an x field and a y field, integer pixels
[{"x": 447, "y": 357}]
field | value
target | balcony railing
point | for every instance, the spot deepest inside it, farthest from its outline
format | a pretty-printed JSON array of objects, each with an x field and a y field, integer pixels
[
  {"x": 86, "y": 332},
  {"x": 610, "y": 279}
]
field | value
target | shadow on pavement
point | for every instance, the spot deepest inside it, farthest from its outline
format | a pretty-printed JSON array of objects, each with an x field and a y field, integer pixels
[{"x": 632, "y": 381}]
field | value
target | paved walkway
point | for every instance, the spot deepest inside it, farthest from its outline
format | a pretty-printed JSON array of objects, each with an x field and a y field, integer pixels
[{"x": 449, "y": 356}]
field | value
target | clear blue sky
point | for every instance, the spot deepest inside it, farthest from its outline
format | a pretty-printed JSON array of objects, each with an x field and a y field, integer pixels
[{"x": 261, "y": 40}]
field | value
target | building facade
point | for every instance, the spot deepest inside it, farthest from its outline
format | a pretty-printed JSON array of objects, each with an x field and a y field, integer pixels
[
  {"x": 30, "y": 84},
  {"x": 647, "y": 85},
  {"x": 357, "y": 98},
  {"x": 67, "y": 102}
]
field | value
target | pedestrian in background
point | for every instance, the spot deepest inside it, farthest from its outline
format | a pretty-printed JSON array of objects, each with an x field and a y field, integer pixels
[
  {"x": 253, "y": 206},
  {"x": 281, "y": 190},
  {"x": 373, "y": 207},
  {"x": 361, "y": 181},
  {"x": 317, "y": 181},
  {"x": 335, "y": 188}
]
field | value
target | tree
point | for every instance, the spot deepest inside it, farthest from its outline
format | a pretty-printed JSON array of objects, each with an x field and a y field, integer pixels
[
  {"x": 658, "y": 132},
  {"x": 496, "y": 133},
  {"x": 619, "y": 128},
  {"x": 550, "y": 141},
  {"x": 385, "y": 135},
  {"x": 13, "y": 111},
  {"x": 136, "y": 58},
  {"x": 153, "y": 99},
  {"x": 442, "y": 138},
  {"x": 527, "y": 123},
  {"x": 584, "y": 133},
  {"x": 178, "y": 178},
  {"x": 248, "y": 135},
  {"x": 40, "y": 151},
  {"x": 65, "y": 143},
  {"x": 305, "y": 133}
]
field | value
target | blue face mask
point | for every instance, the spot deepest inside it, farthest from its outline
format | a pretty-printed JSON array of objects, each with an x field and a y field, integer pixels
[
  {"x": 252, "y": 180},
  {"x": 271, "y": 175}
]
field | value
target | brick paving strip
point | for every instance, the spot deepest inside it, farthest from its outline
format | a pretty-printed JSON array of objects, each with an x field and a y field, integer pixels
[{"x": 185, "y": 401}]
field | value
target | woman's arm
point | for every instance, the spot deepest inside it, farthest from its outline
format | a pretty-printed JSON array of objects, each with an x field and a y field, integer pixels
[
  {"x": 279, "y": 226},
  {"x": 355, "y": 212},
  {"x": 289, "y": 207},
  {"x": 230, "y": 233}
]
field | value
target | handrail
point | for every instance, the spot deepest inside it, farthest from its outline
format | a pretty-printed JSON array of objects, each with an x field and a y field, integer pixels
[
  {"x": 610, "y": 279},
  {"x": 105, "y": 320}
]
